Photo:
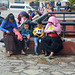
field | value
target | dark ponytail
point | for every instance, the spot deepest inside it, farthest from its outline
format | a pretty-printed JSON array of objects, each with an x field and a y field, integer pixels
[{"x": 10, "y": 16}]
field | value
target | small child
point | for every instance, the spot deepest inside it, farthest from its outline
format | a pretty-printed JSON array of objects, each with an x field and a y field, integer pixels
[
  {"x": 26, "y": 34},
  {"x": 38, "y": 34}
]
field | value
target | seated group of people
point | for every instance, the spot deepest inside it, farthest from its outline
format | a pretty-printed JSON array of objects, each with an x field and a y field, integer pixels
[
  {"x": 32, "y": 16},
  {"x": 49, "y": 39}
]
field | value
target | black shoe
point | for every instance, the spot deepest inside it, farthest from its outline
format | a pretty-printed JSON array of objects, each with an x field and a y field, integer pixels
[{"x": 2, "y": 40}]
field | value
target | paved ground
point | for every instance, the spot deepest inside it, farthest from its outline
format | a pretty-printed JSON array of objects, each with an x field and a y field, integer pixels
[{"x": 35, "y": 65}]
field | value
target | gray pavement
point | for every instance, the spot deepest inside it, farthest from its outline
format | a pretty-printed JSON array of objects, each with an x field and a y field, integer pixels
[{"x": 36, "y": 65}]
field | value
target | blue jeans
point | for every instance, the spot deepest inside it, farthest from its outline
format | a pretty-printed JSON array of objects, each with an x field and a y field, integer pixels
[
  {"x": 58, "y": 8},
  {"x": 36, "y": 40}
]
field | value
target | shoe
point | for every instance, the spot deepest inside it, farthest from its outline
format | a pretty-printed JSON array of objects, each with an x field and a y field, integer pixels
[
  {"x": 46, "y": 55},
  {"x": 27, "y": 48},
  {"x": 49, "y": 58},
  {"x": 36, "y": 54}
]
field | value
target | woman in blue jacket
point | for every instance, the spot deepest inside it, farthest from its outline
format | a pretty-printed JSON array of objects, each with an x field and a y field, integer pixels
[{"x": 10, "y": 39}]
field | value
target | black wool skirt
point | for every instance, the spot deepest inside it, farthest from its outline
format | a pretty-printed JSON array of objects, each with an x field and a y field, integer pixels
[
  {"x": 12, "y": 43},
  {"x": 51, "y": 44}
]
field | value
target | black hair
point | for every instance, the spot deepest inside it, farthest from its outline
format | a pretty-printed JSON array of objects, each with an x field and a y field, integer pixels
[
  {"x": 25, "y": 23},
  {"x": 39, "y": 22},
  {"x": 10, "y": 16},
  {"x": 25, "y": 15},
  {"x": 29, "y": 11}
]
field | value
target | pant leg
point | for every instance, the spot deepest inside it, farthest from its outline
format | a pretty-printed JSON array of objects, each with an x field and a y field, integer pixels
[
  {"x": 28, "y": 41},
  {"x": 36, "y": 44},
  {"x": 57, "y": 8},
  {"x": 25, "y": 40},
  {"x": 39, "y": 40}
]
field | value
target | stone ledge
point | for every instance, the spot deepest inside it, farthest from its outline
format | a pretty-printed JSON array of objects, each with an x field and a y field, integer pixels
[{"x": 69, "y": 46}]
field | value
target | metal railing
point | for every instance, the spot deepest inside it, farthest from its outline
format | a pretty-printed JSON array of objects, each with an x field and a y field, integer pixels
[{"x": 64, "y": 23}]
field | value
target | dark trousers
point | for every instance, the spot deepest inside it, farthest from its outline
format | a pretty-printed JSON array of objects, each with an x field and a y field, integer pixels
[{"x": 27, "y": 41}]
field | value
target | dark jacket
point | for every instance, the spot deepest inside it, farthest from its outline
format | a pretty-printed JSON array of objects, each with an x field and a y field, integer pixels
[
  {"x": 58, "y": 4},
  {"x": 25, "y": 33}
]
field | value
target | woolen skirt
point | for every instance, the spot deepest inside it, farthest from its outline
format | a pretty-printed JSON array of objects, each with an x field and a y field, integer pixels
[
  {"x": 51, "y": 44},
  {"x": 12, "y": 43}
]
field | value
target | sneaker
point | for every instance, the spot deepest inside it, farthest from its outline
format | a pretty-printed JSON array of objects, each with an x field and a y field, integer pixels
[
  {"x": 49, "y": 58},
  {"x": 36, "y": 54},
  {"x": 27, "y": 48}
]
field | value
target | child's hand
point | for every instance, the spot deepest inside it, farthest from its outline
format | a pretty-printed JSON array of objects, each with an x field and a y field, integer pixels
[
  {"x": 28, "y": 37},
  {"x": 37, "y": 35}
]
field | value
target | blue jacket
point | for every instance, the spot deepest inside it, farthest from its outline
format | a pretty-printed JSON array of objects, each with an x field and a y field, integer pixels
[
  {"x": 32, "y": 14},
  {"x": 6, "y": 28},
  {"x": 25, "y": 33}
]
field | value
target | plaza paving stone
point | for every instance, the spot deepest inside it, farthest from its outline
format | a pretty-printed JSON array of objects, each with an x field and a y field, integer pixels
[{"x": 36, "y": 65}]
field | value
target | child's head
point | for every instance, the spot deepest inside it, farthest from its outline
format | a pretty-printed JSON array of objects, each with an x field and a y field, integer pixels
[
  {"x": 39, "y": 24},
  {"x": 26, "y": 26}
]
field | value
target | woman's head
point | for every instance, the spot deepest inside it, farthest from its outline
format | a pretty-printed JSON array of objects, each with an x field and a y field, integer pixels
[
  {"x": 25, "y": 16},
  {"x": 22, "y": 12},
  {"x": 53, "y": 20},
  {"x": 10, "y": 18}
]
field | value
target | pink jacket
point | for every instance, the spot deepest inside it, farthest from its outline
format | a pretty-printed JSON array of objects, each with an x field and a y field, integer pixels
[
  {"x": 56, "y": 25},
  {"x": 18, "y": 34}
]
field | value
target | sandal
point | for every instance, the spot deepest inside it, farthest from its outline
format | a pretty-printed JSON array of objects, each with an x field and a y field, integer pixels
[
  {"x": 49, "y": 58},
  {"x": 45, "y": 55}
]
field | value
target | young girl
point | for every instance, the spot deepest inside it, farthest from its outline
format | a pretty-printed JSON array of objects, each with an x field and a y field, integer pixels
[{"x": 52, "y": 42}]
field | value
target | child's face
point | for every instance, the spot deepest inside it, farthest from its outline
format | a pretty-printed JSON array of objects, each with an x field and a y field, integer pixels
[
  {"x": 39, "y": 25},
  {"x": 26, "y": 26}
]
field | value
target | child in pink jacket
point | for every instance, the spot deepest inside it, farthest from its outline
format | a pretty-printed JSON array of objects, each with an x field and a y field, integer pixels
[{"x": 52, "y": 42}]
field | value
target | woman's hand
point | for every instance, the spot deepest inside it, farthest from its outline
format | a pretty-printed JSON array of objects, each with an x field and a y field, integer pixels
[
  {"x": 54, "y": 31},
  {"x": 8, "y": 32}
]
